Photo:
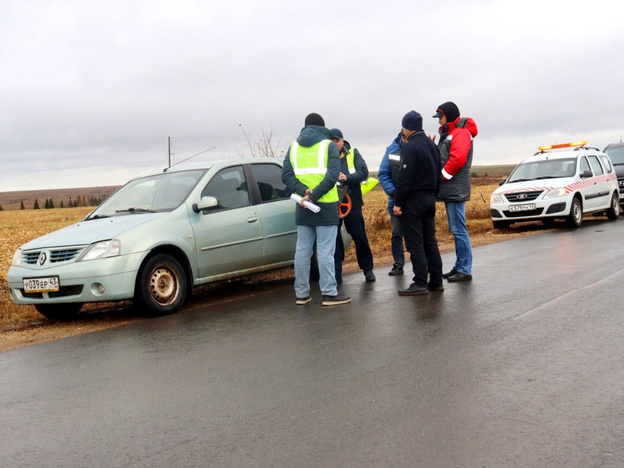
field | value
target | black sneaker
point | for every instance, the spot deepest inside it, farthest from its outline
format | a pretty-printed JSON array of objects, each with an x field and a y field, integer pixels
[
  {"x": 396, "y": 270},
  {"x": 303, "y": 300},
  {"x": 335, "y": 300},
  {"x": 414, "y": 290},
  {"x": 459, "y": 277},
  {"x": 433, "y": 287},
  {"x": 449, "y": 274},
  {"x": 370, "y": 276}
]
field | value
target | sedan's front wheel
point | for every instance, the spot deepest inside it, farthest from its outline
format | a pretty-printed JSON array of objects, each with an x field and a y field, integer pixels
[{"x": 161, "y": 286}]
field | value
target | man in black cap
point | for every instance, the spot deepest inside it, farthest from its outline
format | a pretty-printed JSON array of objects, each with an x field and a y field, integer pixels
[
  {"x": 353, "y": 173},
  {"x": 455, "y": 146},
  {"x": 415, "y": 202},
  {"x": 311, "y": 170}
]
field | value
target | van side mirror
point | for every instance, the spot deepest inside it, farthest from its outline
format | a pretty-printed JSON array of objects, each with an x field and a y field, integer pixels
[
  {"x": 502, "y": 181},
  {"x": 586, "y": 174},
  {"x": 205, "y": 203}
]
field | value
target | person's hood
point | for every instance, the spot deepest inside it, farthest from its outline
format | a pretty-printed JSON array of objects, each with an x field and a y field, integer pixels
[
  {"x": 345, "y": 147},
  {"x": 396, "y": 144},
  {"x": 312, "y": 134},
  {"x": 468, "y": 123},
  {"x": 471, "y": 125}
]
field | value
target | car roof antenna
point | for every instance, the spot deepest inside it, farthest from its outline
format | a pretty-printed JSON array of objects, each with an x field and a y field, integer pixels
[{"x": 180, "y": 162}]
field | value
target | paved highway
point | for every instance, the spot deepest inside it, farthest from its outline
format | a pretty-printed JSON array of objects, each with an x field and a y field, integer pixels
[{"x": 523, "y": 367}]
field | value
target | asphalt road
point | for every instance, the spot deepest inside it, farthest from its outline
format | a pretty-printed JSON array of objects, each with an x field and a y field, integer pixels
[{"x": 523, "y": 367}]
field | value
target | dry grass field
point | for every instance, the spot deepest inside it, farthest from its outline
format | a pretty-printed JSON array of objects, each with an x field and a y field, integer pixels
[{"x": 20, "y": 325}]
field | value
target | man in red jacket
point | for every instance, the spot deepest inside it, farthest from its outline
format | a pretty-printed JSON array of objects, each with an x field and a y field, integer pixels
[{"x": 456, "y": 134}]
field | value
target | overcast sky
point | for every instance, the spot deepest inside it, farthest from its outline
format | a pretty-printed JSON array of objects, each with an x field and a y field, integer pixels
[{"x": 91, "y": 90}]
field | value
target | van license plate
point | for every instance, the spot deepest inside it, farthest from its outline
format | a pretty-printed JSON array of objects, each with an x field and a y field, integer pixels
[
  {"x": 46, "y": 284},
  {"x": 527, "y": 207}
]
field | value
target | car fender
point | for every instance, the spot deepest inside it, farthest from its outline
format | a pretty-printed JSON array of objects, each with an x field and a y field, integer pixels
[{"x": 171, "y": 231}]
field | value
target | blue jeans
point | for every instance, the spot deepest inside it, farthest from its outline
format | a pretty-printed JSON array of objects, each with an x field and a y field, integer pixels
[
  {"x": 456, "y": 216},
  {"x": 325, "y": 237},
  {"x": 396, "y": 241}
]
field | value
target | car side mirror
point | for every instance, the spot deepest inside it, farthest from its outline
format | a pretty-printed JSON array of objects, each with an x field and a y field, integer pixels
[
  {"x": 205, "y": 203},
  {"x": 586, "y": 174},
  {"x": 502, "y": 181}
]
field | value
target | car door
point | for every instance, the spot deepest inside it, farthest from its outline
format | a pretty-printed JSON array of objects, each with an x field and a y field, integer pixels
[
  {"x": 597, "y": 193},
  {"x": 277, "y": 212},
  {"x": 228, "y": 237}
]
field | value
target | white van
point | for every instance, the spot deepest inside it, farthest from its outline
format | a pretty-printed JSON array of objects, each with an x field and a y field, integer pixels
[{"x": 563, "y": 181}]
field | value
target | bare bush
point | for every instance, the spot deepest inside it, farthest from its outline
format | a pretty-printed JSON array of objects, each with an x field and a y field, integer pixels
[{"x": 262, "y": 145}]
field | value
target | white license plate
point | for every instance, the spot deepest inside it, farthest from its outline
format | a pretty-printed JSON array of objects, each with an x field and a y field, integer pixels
[
  {"x": 527, "y": 207},
  {"x": 45, "y": 284}
]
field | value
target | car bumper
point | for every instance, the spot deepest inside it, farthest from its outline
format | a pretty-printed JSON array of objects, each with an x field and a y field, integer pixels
[
  {"x": 551, "y": 209},
  {"x": 103, "y": 280}
]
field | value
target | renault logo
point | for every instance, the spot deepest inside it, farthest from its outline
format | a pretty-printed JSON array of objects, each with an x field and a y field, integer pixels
[
  {"x": 522, "y": 196},
  {"x": 42, "y": 258}
]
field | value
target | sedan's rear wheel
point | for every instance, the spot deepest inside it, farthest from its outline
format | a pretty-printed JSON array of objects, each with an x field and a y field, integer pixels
[
  {"x": 614, "y": 209},
  {"x": 161, "y": 286},
  {"x": 68, "y": 311},
  {"x": 575, "y": 218}
]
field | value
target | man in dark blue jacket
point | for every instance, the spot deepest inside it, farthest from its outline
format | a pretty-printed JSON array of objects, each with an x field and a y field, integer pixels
[
  {"x": 388, "y": 178},
  {"x": 415, "y": 201}
]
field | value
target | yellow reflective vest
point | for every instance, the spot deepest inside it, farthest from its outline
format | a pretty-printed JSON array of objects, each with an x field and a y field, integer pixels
[
  {"x": 369, "y": 183},
  {"x": 310, "y": 165}
]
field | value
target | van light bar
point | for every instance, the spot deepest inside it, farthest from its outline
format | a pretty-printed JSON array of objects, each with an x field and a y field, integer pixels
[{"x": 562, "y": 145}]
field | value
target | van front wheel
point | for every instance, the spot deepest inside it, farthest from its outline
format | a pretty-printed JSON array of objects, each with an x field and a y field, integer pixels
[{"x": 575, "y": 218}]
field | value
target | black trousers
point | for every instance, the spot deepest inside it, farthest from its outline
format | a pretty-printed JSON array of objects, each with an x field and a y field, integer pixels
[
  {"x": 418, "y": 221},
  {"x": 354, "y": 223}
]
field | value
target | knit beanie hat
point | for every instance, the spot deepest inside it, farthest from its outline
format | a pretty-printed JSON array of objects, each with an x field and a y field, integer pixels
[
  {"x": 449, "y": 109},
  {"x": 314, "y": 119},
  {"x": 412, "y": 121}
]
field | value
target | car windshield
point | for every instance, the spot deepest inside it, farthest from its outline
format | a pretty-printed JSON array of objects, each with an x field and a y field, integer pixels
[
  {"x": 546, "y": 169},
  {"x": 616, "y": 154},
  {"x": 153, "y": 194}
]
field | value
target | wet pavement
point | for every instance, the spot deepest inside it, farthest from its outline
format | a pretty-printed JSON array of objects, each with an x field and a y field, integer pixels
[{"x": 522, "y": 367}]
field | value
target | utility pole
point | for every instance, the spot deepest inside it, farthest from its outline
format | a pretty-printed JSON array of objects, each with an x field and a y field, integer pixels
[{"x": 169, "y": 151}]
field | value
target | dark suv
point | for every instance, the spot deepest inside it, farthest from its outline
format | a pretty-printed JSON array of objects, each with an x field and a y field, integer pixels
[{"x": 616, "y": 154}]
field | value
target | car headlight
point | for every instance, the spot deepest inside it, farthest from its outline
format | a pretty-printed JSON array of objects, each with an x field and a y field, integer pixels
[
  {"x": 17, "y": 258},
  {"x": 496, "y": 198},
  {"x": 103, "y": 249},
  {"x": 554, "y": 193}
]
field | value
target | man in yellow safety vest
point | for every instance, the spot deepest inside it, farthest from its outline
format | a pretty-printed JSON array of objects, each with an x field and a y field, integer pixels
[{"x": 311, "y": 169}]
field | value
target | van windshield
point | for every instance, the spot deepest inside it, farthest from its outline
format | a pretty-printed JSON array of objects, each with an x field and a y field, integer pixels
[{"x": 546, "y": 169}]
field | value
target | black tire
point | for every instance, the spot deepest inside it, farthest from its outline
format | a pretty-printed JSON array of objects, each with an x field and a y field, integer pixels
[
  {"x": 613, "y": 212},
  {"x": 68, "y": 311},
  {"x": 161, "y": 286},
  {"x": 575, "y": 218},
  {"x": 501, "y": 224}
]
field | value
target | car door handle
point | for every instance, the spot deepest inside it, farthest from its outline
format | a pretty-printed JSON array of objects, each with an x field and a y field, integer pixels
[{"x": 253, "y": 219}]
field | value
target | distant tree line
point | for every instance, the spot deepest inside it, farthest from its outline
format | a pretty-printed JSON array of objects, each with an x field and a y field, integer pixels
[{"x": 80, "y": 200}]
